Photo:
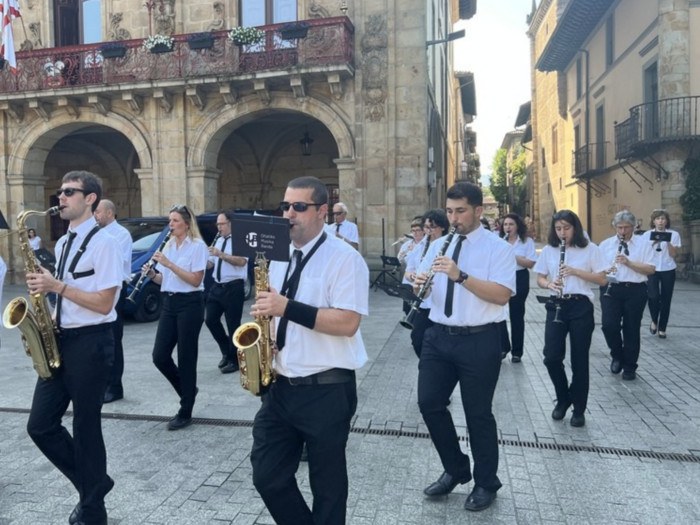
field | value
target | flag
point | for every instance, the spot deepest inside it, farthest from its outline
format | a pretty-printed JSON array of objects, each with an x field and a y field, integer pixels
[{"x": 9, "y": 10}]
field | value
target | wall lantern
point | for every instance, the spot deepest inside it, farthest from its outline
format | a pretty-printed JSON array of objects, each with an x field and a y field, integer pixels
[{"x": 306, "y": 142}]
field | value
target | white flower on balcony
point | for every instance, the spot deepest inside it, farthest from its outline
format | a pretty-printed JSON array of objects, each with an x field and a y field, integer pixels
[
  {"x": 156, "y": 40},
  {"x": 53, "y": 69},
  {"x": 245, "y": 36}
]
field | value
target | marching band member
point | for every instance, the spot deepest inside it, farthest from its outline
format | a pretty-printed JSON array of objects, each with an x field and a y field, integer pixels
[
  {"x": 623, "y": 301},
  {"x": 180, "y": 274},
  {"x": 89, "y": 275},
  {"x": 226, "y": 295},
  {"x": 515, "y": 232},
  {"x": 571, "y": 310},
  {"x": 471, "y": 288},
  {"x": 318, "y": 298},
  {"x": 661, "y": 282}
]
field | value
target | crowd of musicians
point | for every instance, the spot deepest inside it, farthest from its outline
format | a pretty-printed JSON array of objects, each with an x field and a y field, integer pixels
[{"x": 466, "y": 282}]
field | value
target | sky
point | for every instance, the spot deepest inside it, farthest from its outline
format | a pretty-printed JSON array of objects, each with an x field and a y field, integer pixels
[{"x": 497, "y": 50}]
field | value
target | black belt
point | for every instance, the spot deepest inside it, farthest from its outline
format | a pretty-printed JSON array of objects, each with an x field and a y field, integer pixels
[
  {"x": 327, "y": 377},
  {"x": 181, "y": 294},
  {"x": 235, "y": 281},
  {"x": 465, "y": 330},
  {"x": 572, "y": 297},
  {"x": 84, "y": 330},
  {"x": 629, "y": 283}
]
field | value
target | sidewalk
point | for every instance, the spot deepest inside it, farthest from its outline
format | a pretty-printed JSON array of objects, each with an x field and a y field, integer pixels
[{"x": 637, "y": 460}]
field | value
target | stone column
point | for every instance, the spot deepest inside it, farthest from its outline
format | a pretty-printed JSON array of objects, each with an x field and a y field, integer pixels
[
  {"x": 203, "y": 189},
  {"x": 150, "y": 196}
]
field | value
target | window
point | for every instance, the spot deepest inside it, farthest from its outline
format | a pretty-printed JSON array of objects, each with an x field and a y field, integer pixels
[
  {"x": 263, "y": 12},
  {"x": 579, "y": 78},
  {"x": 77, "y": 22},
  {"x": 91, "y": 19},
  {"x": 544, "y": 161},
  {"x": 609, "y": 40},
  {"x": 555, "y": 144}
]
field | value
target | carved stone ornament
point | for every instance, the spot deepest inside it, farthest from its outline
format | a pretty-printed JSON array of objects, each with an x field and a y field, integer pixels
[
  {"x": 218, "y": 23},
  {"x": 164, "y": 18},
  {"x": 374, "y": 65},
  {"x": 318, "y": 11},
  {"x": 34, "y": 42},
  {"x": 116, "y": 32}
]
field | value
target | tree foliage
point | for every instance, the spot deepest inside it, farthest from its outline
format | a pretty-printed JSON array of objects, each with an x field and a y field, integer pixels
[
  {"x": 515, "y": 193},
  {"x": 499, "y": 177}
]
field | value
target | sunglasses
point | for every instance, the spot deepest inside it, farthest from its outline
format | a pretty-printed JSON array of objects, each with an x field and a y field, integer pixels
[
  {"x": 338, "y": 213},
  {"x": 69, "y": 192},
  {"x": 298, "y": 207}
]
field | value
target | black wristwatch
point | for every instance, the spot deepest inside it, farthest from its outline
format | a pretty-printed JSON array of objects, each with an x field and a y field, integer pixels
[{"x": 463, "y": 276}]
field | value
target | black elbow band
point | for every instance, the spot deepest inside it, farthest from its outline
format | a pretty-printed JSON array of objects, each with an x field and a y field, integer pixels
[{"x": 301, "y": 313}]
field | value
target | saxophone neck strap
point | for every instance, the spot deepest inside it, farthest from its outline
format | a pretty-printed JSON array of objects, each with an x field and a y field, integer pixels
[
  {"x": 296, "y": 274},
  {"x": 81, "y": 250}
]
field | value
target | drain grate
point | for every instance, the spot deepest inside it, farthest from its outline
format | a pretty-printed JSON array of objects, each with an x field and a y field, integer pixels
[{"x": 393, "y": 432}]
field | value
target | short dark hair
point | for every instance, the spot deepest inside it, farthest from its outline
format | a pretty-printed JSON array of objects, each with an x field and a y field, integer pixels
[
  {"x": 466, "y": 190},
  {"x": 320, "y": 192},
  {"x": 438, "y": 217},
  {"x": 91, "y": 183},
  {"x": 579, "y": 240},
  {"x": 519, "y": 222}
]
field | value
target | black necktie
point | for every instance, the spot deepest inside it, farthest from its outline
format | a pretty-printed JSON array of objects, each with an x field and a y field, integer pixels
[
  {"x": 450, "y": 283},
  {"x": 625, "y": 248},
  {"x": 218, "y": 263},
  {"x": 292, "y": 286},
  {"x": 61, "y": 270},
  {"x": 337, "y": 227}
]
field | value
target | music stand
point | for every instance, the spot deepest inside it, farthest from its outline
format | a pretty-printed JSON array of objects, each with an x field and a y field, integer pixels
[{"x": 389, "y": 276}]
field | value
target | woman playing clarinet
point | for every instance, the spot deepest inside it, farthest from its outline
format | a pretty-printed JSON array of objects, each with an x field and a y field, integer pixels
[{"x": 566, "y": 266}]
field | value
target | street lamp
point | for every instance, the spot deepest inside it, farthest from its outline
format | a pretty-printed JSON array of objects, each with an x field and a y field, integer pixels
[
  {"x": 465, "y": 169},
  {"x": 306, "y": 142},
  {"x": 450, "y": 38}
]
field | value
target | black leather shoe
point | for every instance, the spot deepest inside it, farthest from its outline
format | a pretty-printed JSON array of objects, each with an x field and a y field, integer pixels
[
  {"x": 179, "y": 422},
  {"x": 229, "y": 368},
  {"x": 577, "y": 420},
  {"x": 662, "y": 335},
  {"x": 444, "y": 485},
  {"x": 76, "y": 515},
  {"x": 652, "y": 329},
  {"x": 560, "y": 410},
  {"x": 113, "y": 395},
  {"x": 515, "y": 359},
  {"x": 223, "y": 362},
  {"x": 629, "y": 376},
  {"x": 479, "y": 499},
  {"x": 615, "y": 366}
]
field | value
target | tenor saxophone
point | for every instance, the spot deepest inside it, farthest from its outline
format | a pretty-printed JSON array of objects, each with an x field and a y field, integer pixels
[
  {"x": 254, "y": 342},
  {"x": 37, "y": 327}
]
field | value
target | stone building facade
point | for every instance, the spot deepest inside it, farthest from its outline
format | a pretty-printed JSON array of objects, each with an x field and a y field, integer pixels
[
  {"x": 615, "y": 103},
  {"x": 359, "y": 101}
]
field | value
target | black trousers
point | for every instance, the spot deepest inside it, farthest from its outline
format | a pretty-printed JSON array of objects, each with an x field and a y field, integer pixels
[
  {"x": 180, "y": 322},
  {"x": 82, "y": 379},
  {"x": 115, "y": 376},
  {"x": 660, "y": 291},
  {"x": 225, "y": 299},
  {"x": 622, "y": 309},
  {"x": 473, "y": 361},
  {"x": 319, "y": 415},
  {"x": 577, "y": 322},
  {"x": 421, "y": 323},
  {"x": 516, "y": 306}
]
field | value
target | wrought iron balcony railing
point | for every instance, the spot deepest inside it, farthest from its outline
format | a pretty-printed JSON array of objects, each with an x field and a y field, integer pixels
[
  {"x": 667, "y": 120},
  {"x": 590, "y": 159},
  {"x": 329, "y": 45}
]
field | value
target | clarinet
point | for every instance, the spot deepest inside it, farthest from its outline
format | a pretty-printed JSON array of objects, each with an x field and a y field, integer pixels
[
  {"x": 149, "y": 266},
  {"x": 560, "y": 278},
  {"x": 613, "y": 270},
  {"x": 407, "y": 322}
]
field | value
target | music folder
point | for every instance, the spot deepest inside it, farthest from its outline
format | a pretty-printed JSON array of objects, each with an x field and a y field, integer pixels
[
  {"x": 660, "y": 236},
  {"x": 3, "y": 222},
  {"x": 251, "y": 234}
]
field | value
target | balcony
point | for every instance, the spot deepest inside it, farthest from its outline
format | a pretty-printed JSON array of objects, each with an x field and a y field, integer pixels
[
  {"x": 590, "y": 160},
  {"x": 45, "y": 75},
  {"x": 655, "y": 123}
]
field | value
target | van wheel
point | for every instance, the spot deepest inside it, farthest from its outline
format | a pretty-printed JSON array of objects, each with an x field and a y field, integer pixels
[
  {"x": 149, "y": 309},
  {"x": 247, "y": 289}
]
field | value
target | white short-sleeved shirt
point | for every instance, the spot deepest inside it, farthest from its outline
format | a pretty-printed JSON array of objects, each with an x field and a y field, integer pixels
[
  {"x": 101, "y": 256},
  {"x": 406, "y": 248},
  {"x": 123, "y": 238},
  {"x": 640, "y": 251},
  {"x": 524, "y": 249},
  {"x": 588, "y": 259},
  {"x": 35, "y": 242},
  {"x": 662, "y": 260},
  {"x": 229, "y": 272},
  {"x": 191, "y": 256},
  {"x": 413, "y": 262},
  {"x": 336, "y": 276},
  {"x": 347, "y": 229},
  {"x": 484, "y": 256}
]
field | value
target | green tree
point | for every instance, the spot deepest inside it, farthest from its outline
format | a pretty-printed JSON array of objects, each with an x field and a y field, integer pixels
[
  {"x": 518, "y": 169},
  {"x": 499, "y": 177}
]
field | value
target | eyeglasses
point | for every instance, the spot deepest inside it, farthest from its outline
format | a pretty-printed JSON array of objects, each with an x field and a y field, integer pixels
[
  {"x": 69, "y": 192},
  {"x": 338, "y": 213},
  {"x": 298, "y": 207}
]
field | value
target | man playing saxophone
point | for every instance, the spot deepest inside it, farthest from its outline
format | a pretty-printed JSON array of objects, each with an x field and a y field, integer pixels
[
  {"x": 472, "y": 285},
  {"x": 319, "y": 298},
  {"x": 88, "y": 277}
]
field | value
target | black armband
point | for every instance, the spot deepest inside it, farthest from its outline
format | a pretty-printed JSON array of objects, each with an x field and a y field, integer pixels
[{"x": 301, "y": 313}]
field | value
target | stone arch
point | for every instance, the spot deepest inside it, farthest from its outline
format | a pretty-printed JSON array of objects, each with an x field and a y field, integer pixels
[
  {"x": 208, "y": 141},
  {"x": 35, "y": 142}
]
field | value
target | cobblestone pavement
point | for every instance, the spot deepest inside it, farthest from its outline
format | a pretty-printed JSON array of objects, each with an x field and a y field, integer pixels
[{"x": 637, "y": 460}]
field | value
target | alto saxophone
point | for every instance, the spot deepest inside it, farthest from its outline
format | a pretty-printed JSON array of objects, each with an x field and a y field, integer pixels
[
  {"x": 254, "y": 342},
  {"x": 37, "y": 327}
]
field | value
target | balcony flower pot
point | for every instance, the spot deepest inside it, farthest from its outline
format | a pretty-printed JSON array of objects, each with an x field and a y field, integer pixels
[
  {"x": 201, "y": 41},
  {"x": 246, "y": 36},
  {"x": 294, "y": 30},
  {"x": 113, "y": 51},
  {"x": 159, "y": 43},
  {"x": 160, "y": 48}
]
